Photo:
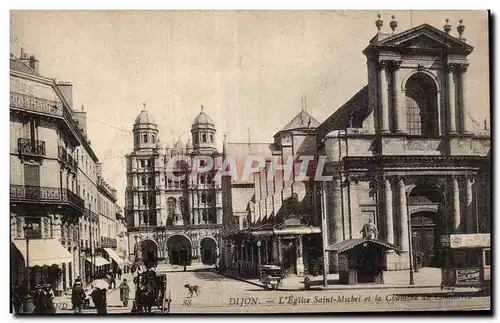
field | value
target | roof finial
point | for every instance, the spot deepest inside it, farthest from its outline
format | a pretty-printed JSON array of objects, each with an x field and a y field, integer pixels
[
  {"x": 393, "y": 24},
  {"x": 447, "y": 26},
  {"x": 202, "y": 108},
  {"x": 379, "y": 23},
  {"x": 144, "y": 106},
  {"x": 460, "y": 29}
]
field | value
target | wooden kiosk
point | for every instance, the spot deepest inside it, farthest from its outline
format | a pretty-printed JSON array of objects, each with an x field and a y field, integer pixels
[{"x": 361, "y": 260}]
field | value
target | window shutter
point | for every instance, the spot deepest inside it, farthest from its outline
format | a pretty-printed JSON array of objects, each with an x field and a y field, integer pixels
[{"x": 31, "y": 175}]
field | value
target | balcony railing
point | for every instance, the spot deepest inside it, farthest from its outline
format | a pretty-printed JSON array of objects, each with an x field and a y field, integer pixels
[
  {"x": 32, "y": 147},
  {"x": 67, "y": 158},
  {"x": 45, "y": 194},
  {"x": 51, "y": 107}
]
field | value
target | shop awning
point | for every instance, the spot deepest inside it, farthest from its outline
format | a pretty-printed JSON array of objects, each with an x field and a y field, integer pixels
[
  {"x": 113, "y": 255},
  {"x": 98, "y": 261},
  {"x": 44, "y": 252},
  {"x": 347, "y": 245}
]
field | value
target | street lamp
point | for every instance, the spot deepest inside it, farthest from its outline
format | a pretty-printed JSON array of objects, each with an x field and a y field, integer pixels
[
  {"x": 259, "y": 245},
  {"x": 28, "y": 301},
  {"x": 410, "y": 252}
]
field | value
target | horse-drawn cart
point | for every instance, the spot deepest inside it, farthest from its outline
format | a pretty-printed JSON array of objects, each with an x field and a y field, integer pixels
[{"x": 151, "y": 290}]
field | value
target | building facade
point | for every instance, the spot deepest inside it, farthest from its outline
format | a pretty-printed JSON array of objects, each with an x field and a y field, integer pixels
[
  {"x": 403, "y": 153},
  {"x": 53, "y": 180},
  {"x": 172, "y": 218}
]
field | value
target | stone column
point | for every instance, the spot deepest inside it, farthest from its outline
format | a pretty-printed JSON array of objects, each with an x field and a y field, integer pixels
[
  {"x": 335, "y": 225},
  {"x": 403, "y": 218},
  {"x": 456, "y": 205},
  {"x": 300, "y": 256},
  {"x": 384, "y": 101},
  {"x": 398, "y": 99},
  {"x": 280, "y": 251},
  {"x": 452, "y": 128},
  {"x": 469, "y": 207},
  {"x": 389, "y": 220},
  {"x": 464, "y": 108}
]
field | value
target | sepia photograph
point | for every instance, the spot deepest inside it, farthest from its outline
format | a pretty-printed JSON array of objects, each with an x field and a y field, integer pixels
[{"x": 249, "y": 161}]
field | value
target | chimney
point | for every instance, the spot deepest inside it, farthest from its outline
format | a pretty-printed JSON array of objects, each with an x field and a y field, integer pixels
[
  {"x": 67, "y": 91},
  {"x": 33, "y": 63},
  {"x": 81, "y": 118},
  {"x": 24, "y": 57}
]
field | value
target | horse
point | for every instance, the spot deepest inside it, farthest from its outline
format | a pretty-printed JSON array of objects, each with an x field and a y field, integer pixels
[{"x": 146, "y": 294}]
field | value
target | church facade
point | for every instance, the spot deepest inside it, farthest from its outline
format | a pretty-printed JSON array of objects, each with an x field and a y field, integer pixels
[
  {"x": 404, "y": 157},
  {"x": 173, "y": 215}
]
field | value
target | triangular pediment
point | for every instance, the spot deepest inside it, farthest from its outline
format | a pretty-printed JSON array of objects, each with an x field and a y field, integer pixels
[{"x": 425, "y": 37}]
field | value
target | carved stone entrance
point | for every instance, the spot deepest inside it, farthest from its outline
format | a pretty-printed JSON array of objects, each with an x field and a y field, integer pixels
[{"x": 179, "y": 250}]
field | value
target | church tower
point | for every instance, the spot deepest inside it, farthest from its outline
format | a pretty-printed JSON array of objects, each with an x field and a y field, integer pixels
[{"x": 203, "y": 133}]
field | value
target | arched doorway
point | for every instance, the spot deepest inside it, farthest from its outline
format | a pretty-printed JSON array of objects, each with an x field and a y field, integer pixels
[
  {"x": 149, "y": 251},
  {"x": 426, "y": 202},
  {"x": 179, "y": 250},
  {"x": 421, "y": 106},
  {"x": 208, "y": 250}
]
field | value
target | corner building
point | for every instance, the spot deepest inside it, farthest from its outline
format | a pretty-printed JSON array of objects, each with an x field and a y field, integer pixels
[{"x": 169, "y": 219}]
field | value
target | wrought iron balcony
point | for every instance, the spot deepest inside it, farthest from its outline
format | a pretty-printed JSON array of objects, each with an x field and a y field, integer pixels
[
  {"x": 45, "y": 195},
  {"x": 31, "y": 147},
  {"x": 66, "y": 158},
  {"x": 30, "y": 103}
]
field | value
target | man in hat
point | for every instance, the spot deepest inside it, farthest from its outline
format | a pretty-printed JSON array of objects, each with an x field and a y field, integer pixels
[
  {"x": 48, "y": 299},
  {"x": 37, "y": 293},
  {"x": 78, "y": 296}
]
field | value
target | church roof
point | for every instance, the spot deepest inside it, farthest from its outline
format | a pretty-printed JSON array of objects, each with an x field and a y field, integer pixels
[
  {"x": 178, "y": 147},
  {"x": 356, "y": 107},
  {"x": 144, "y": 118},
  {"x": 301, "y": 120},
  {"x": 203, "y": 118}
]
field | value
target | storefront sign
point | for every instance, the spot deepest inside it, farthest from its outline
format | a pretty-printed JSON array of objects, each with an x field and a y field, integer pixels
[
  {"x": 468, "y": 275},
  {"x": 470, "y": 240}
]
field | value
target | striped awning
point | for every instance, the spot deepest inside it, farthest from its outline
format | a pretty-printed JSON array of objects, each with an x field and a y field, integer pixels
[
  {"x": 347, "y": 245},
  {"x": 113, "y": 255},
  {"x": 43, "y": 252},
  {"x": 98, "y": 261}
]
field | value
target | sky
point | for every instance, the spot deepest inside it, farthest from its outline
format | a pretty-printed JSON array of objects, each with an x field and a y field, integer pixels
[{"x": 248, "y": 69}]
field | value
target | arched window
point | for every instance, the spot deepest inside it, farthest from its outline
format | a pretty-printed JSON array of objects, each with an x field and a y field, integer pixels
[
  {"x": 211, "y": 138},
  {"x": 153, "y": 138},
  {"x": 421, "y": 106},
  {"x": 204, "y": 138},
  {"x": 143, "y": 181},
  {"x": 145, "y": 138},
  {"x": 195, "y": 139}
]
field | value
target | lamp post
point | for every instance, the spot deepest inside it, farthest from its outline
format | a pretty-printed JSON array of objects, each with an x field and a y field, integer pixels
[
  {"x": 410, "y": 252},
  {"x": 28, "y": 301},
  {"x": 259, "y": 245}
]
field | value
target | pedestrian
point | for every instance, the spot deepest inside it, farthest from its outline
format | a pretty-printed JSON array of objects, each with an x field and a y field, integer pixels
[
  {"x": 37, "y": 299},
  {"x": 124, "y": 292},
  {"x": 48, "y": 299},
  {"x": 78, "y": 297},
  {"x": 119, "y": 272},
  {"x": 99, "y": 299}
]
